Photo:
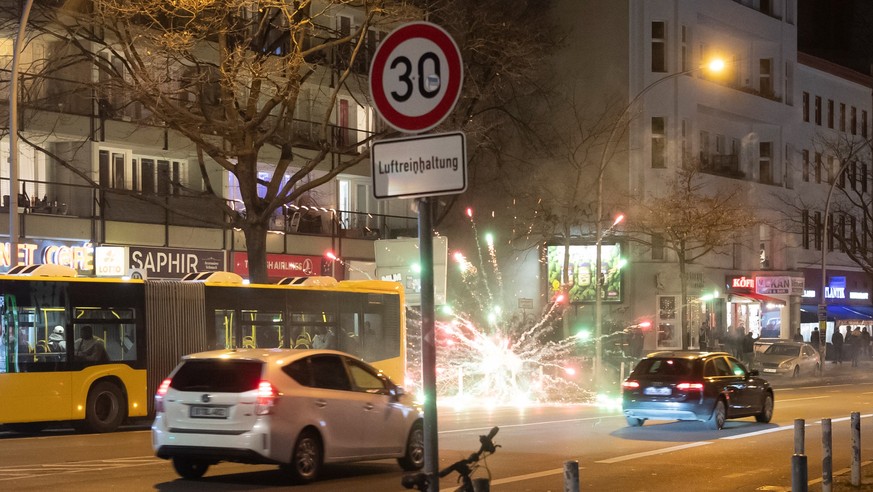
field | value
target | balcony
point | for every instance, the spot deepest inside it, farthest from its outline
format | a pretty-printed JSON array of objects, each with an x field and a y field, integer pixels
[{"x": 727, "y": 165}]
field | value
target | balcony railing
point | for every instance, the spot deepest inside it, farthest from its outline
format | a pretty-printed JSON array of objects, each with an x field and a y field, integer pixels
[
  {"x": 727, "y": 165},
  {"x": 85, "y": 202}
]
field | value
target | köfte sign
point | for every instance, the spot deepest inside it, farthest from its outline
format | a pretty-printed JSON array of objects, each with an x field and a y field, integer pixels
[
  {"x": 742, "y": 283},
  {"x": 175, "y": 263}
]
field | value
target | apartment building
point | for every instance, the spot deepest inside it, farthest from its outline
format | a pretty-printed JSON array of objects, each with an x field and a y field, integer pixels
[
  {"x": 70, "y": 114},
  {"x": 753, "y": 126}
]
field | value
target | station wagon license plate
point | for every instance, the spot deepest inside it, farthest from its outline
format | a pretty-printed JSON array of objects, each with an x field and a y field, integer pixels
[
  {"x": 206, "y": 412},
  {"x": 658, "y": 391}
]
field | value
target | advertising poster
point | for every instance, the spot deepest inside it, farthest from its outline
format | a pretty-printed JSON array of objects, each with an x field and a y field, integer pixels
[{"x": 582, "y": 271}]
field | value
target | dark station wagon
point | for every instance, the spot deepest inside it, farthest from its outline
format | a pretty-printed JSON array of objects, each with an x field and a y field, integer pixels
[{"x": 686, "y": 385}]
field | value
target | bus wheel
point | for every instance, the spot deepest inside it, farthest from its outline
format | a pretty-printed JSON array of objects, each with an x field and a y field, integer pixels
[{"x": 105, "y": 408}]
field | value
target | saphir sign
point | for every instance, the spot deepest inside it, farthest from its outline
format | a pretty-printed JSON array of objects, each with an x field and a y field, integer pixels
[{"x": 172, "y": 263}]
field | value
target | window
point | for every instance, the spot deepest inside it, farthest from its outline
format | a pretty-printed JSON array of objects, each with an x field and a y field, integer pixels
[
  {"x": 864, "y": 177},
  {"x": 683, "y": 60},
  {"x": 704, "y": 148},
  {"x": 659, "y": 46},
  {"x": 842, "y": 117},
  {"x": 818, "y": 110},
  {"x": 805, "y": 166},
  {"x": 765, "y": 76},
  {"x": 804, "y": 233},
  {"x": 853, "y": 115},
  {"x": 806, "y": 107},
  {"x": 817, "y": 229},
  {"x": 328, "y": 372},
  {"x": 365, "y": 380},
  {"x": 765, "y": 171},
  {"x": 657, "y": 247},
  {"x": 864, "y": 123},
  {"x": 841, "y": 232},
  {"x": 829, "y": 232},
  {"x": 659, "y": 141},
  {"x": 818, "y": 167},
  {"x": 853, "y": 233},
  {"x": 115, "y": 169},
  {"x": 830, "y": 113},
  {"x": 686, "y": 151}
]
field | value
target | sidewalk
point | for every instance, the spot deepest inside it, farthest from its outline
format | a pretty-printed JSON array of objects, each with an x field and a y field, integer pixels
[{"x": 832, "y": 374}]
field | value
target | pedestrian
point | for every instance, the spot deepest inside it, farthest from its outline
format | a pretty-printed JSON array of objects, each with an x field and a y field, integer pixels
[
  {"x": 748, "y": 344},
  {"x": 853, "y": 342},
  {"x": 703, "y": 337},
  {"x": 865, "y": 343},
  {"x": 815, "y": 339},
  {"x": 837, "y": 343}
]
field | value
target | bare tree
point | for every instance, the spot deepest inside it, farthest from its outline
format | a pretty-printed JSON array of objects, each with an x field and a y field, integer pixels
[{"x": 692, "y": 221}]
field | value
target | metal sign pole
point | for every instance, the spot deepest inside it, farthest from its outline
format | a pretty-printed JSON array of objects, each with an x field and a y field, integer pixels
[{"x": 428, "y": 346}]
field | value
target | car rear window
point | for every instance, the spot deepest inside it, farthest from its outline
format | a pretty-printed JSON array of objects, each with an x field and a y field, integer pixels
[
  {"x": 219, "y": 376},
  {"x": 663, "y": 367}
]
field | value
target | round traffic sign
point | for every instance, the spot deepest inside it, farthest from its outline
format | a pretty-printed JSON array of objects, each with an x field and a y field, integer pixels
[{"x": 415, "y": 77}]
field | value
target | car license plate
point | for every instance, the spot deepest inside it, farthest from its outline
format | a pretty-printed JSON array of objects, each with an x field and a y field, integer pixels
[
  {"x": 657, "y": 391},
  {"x": 769, "y": 370},
  {"x": 205, "y": 412}
]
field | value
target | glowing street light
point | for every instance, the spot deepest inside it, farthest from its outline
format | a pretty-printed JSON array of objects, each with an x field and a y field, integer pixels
[{"x": 715, "y": 65}]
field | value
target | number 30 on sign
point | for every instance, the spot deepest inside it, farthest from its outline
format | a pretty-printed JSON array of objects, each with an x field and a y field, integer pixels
[{"x": 416, "y": 76}]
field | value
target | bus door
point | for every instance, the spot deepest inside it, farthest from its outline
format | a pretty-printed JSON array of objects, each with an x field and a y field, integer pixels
[{"x": 32, "y": 388}]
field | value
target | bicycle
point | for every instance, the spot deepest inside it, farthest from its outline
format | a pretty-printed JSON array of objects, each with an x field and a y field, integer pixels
[{"x": 465, "y": 468}]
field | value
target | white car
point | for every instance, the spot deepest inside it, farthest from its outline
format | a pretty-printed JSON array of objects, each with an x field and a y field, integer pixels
[
  {"x": 295, "y": 408},
  {"x": 786, "y": 358}
]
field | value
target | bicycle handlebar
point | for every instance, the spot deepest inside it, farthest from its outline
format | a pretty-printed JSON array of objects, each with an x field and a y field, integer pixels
[{"x": 486, "y": 445}]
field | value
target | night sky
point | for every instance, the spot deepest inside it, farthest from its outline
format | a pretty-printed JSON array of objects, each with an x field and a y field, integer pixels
[{"x": 837, "y": 30}]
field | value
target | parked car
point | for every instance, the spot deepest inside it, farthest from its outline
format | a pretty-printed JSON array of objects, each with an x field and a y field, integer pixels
[
  {"x": 295, "y": 408},
  {"x": 784, "y": 358},
  {"x": 689, "y": 385}
]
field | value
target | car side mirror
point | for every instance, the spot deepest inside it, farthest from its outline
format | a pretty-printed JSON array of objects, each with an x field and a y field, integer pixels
[
  {"x": 397, "y": 392},
  {"x": 754, "y": 372}
]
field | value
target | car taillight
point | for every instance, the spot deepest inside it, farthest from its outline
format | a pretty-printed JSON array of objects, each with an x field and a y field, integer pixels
[
  {"x": 267, "y": 395},
  {"x": 159, "y": 395},
  {"x": 630, "y": 385},
  {"x": 689, "y": 386}
]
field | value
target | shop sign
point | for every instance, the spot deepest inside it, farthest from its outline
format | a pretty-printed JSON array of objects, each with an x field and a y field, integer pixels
[
  {"x": 741, "y": 283},
  {"x": 280, "y": 265},
  {"x": 79, "y": 256},
  {"x": 798, "y": 284},
  {"x": 172, "y": 263},
  {"x": 110, "y": 261},
  {"x": 780, "y": 285}
]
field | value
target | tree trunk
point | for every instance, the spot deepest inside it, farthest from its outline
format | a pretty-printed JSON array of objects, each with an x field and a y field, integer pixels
[
  {"x": 256, "y": 248},
  {"x": 683, "y": 312}
]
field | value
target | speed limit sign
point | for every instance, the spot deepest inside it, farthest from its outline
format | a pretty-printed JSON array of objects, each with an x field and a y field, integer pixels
[{"x": 415, "y": 77}]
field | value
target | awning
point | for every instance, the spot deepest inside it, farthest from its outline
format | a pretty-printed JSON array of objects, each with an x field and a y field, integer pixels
[
  {"x": 836, "y": 312},
  {"x": 759, "y": 298}
]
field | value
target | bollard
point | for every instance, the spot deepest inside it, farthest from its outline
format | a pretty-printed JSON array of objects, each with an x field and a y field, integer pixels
[
  {"x": 571, "y": 476},
  {"x": 856, "y": 449},
  {"x": 827, "y": 470},
  {"x": 799, "y": 481},
  {"x": 799, "y": 436}
]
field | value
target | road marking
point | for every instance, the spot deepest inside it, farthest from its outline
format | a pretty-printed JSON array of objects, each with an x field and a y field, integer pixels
[
  {"x": 758, "y": 433},
  {"x": 654, "y": 452},
  {"x": 8, "y": 473},
  {"x": 783, "y": 400},
  {"x": 509, "y": 426}
]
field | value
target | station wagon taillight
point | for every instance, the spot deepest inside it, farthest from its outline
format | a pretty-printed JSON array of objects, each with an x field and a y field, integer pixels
[
  {"x": 159, "y": 395},
  {"x": 630, "y": 385},
  {"x": 689, "y": 386},
  {"x": 267, "y": 395}
]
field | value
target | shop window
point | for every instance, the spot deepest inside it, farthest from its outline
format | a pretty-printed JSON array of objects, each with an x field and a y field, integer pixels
[
  {"x": 659, "y": 46},
  {"x": 659, "y": 142}
]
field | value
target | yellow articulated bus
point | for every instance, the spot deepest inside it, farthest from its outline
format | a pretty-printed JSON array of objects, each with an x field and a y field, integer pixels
[{"x": 93, "y": 351}]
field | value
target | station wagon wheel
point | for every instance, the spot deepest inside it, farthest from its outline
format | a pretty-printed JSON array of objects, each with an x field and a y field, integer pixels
[
  {"x": 188, "y": 468},
  {"x": 306, "y": 458},
  {"x": 716, "y": 420},
  {"x": 766, "y": 410},
  {"x": 414, "y": 458}
]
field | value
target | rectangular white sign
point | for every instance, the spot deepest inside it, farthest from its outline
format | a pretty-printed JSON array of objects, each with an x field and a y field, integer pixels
[{"x": 425, "y": 165}]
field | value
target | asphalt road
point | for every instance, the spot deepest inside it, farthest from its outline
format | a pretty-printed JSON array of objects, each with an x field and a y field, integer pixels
[{"x": 745, "y": 456}]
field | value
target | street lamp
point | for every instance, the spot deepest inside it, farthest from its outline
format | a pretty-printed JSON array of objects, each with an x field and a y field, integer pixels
[
  {"x": 823, "y": 306},
  {"x": 715, "y": 65}
]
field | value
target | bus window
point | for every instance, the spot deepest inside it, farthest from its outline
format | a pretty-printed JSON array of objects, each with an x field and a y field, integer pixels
[
  {"x": 261, "y": 329},
  {"x": 305, "y": 326},
  {"x": 104, "y": 335},
  {"x": 225, "y": 329}
]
